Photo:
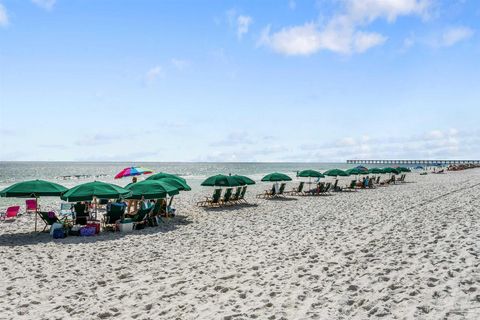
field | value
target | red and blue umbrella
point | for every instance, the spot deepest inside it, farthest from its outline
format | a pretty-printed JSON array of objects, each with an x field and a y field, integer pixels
[{"x": 132, "y": 171}]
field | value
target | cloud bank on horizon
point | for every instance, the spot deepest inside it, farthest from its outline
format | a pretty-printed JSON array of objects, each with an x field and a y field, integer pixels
[{"x": 319, "y": 80}]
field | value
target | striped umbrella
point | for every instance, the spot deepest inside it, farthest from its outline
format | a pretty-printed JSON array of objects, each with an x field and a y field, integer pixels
[{"x": 132, "y": 171}]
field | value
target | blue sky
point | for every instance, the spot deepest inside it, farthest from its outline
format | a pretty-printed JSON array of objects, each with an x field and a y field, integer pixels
[{"x": 268, "y": 80}]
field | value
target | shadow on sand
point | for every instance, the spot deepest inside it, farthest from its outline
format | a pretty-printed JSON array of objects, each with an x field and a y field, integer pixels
[
  {"x": 32, "y": 238},
  {"x": 231, "y": 208}
]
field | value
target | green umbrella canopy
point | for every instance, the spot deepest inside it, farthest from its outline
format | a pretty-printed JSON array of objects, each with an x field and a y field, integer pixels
[
  {"x": 221, "y": 180},
  {"x": 151, "y": 189},
  {"x": 391, "y": 170},
  {"x": 245, "y": 179},
  {"x": 179, "y": 184},
  {"x": 403, "y": 169},
  {"x": 276, "y": 176},
  {"x": 354, "y": 171},
  {"x": 163, "y": 175},
  {"x": 376, "y": 170},
  {"x": 33, "y": 188},
  {"x": 336, "y": 173},
  {"x": 89, "y": 190},
  {"x": 310, "y": 174}
]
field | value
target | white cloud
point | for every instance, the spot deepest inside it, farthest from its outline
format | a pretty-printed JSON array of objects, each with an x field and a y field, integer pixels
[
  {"x": 3, "y": 16},
  {"x": 153, "y": 74},
  {"x": 307, "y": 39},
  {"x": 366, "y": 40},
  {"x": 243, "y": 24},
  {"x": 239, "y": 21},
  {"x": 446, "y": 144},
  {"x": 454, "y": 35},
  {"x": 45, "y": 4},
  {"x": 343, "y": 32},
  {"x": 370, "y": 10}
]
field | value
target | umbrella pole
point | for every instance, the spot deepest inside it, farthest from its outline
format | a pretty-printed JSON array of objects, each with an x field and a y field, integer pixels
[{"x": 36, "y": 212}]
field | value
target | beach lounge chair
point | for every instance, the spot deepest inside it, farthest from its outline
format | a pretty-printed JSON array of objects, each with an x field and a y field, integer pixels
[
  {"x": 226, "y": 197},
  {"x": 114, "y": 214},
  {"x": 378, "y": 180},
  {"x": 48, "y": 218},
  {"x": 315, "y": 192},
  {"x": 140, "y": 217},
  {"x": 327, "y": 188},
  {"x": 66, "y": 210},
  {"x": 31, "y": 205},
  {"x": 281, "y": 190},
  {"x": 236, "y": 196},
  {"x": 296, "y": 191},
  {"x": 242, "y": 195},
  {"x": 336, "y": 187},
  {"x": 351, "y": 187},
  {"x": 11, "y": 213},
  {"x": 213, "y": 201},
  {"x": 370, "y": 184},
  {"x": 267, "y": 193}
]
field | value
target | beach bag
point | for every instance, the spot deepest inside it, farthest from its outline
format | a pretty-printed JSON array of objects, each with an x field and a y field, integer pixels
[
  {"x": 94, "y": 225},
  {"x": 87, "y": 231},
  {"x": 55, "y": 226},
  {"x": 58, "y": 233}
]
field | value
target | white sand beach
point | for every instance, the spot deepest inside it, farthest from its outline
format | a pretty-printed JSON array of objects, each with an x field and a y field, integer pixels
[{"x": 407, "y": 251}]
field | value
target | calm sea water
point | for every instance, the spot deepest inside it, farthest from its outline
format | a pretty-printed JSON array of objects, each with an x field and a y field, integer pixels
[{"x": 79, "y": 172}]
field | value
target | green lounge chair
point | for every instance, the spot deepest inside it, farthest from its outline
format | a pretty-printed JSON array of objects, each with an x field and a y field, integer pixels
[
  {"x": 112, "y": 215},
  {"x": 242, "y": 195},
  {"x": 267, "y": 194},
  {"x": 281, "y": 190},
  {"x": 327, "y": 187},
  {"x": 298, "y": 190},
  {"x": 213, "y": 201},
  {"x": 236, "y": 197},
  {"x": 140, "y": 217},
  {"x": 226, "y": 197}
]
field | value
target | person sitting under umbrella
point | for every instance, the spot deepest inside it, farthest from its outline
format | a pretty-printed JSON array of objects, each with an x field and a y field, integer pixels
[{"x": 81, "y": 213}]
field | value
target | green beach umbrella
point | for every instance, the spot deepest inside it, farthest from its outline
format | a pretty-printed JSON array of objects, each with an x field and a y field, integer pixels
[
  {"x": 162, "y": 175},
  {"x": 376, "y": 170},
  {"x": 391, "y": 170},
  {"x": 356, "y": 171},
  {"x": 33, "y": 189},
  {"x": 245, "y": 179},
  {"x": 310, "y": 174},
  {"x": 276, "y": 176},
  {"x": 403, "y": 169},
  {"x": 151, "y": 189},
  {"x": 179, "y": 184},
  {"x": 336, "y": 173},
  {"x": 221, "y": 180},
  {"x": 95, "y": 189}
]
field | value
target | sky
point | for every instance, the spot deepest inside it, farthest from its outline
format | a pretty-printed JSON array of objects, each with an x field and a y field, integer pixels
[{"x": 271, "y": 80}]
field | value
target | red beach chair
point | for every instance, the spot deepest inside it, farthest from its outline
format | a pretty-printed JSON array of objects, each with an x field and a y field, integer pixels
[
  {"x": 31, "y": 205},
  {"x": 11, "y": 213}
]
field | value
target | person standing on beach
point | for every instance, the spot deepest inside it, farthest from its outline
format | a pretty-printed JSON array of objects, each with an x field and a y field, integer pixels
[{"x": 132, "y": 202}]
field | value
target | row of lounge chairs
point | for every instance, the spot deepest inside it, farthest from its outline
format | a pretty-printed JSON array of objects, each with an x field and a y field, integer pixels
[{"x": 229, "y": 198}]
